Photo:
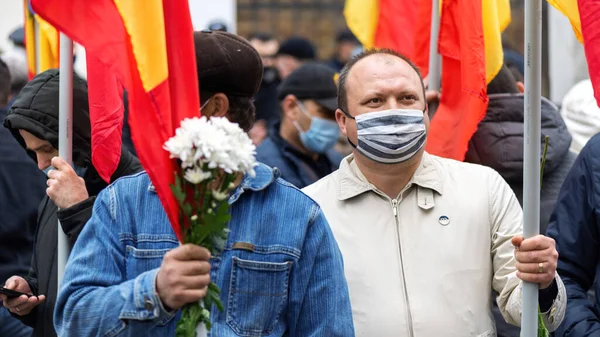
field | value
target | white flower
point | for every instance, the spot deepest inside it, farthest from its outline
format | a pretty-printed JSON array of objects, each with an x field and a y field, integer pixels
[
  {"x": 196, "y": 175},
  {"x": 216, "y": 142},
  {"x": 194, "y": 217},
  {"x": 218, "y": 195}
]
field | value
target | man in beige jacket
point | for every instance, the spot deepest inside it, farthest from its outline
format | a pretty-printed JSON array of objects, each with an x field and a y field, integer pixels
[{"x": 424, "y": 239}]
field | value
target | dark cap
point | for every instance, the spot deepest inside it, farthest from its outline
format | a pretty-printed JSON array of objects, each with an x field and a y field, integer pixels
[
  {"x": 18, "y": 36},
  {"x": 346, "y": 36},
  {"x": 227, "y": 63},
  {"x": 298, "y": 47},
  {"x": 311, "y": 81}
]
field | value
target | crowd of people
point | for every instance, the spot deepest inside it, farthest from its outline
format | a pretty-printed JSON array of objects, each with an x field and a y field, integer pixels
[{"x": 349, "y": 226}]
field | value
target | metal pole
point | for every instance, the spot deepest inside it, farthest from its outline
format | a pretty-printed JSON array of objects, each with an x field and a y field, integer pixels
[
  {"x": 38, "y": 55},
  {"x": 532, "y": 146},
  {"x": 434, "y": 57},
  {"x": 65, "y": 133}
]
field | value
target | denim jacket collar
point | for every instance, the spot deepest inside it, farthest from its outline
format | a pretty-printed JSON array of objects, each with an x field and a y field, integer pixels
[
  {"x": 354, "y": 183},
  {"x": 264, "y": 177}
]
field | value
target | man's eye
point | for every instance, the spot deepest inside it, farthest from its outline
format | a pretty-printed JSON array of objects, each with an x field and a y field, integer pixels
[
  {"x": 375, "y": 100},
  {"x": 409, "y": 98}
]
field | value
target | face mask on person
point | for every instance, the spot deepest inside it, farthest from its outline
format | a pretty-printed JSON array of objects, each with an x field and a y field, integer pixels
[
  {"x": 390, "y": 136},
  {"x": 322, "y": 134}
]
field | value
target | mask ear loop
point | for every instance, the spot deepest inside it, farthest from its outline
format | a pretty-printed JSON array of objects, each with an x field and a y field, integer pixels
[{"x": 349, "y": 141}]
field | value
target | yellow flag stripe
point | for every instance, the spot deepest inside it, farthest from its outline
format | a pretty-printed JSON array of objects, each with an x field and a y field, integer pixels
[
  {"x": 49, "y": 54},
  {"x": 144, "y": 22},
  {"x": 496, "y": 17},
  {"x": 29, "y": 38},
  {"x": 361, "y": 18},
  {"x": 570, "y": 9}
]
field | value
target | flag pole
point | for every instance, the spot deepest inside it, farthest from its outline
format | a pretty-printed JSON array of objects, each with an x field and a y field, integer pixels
[
  {"x": 532, "y": 146},
  {"x": 65, "y": 132},
  {"x": 37, "y": 44},
  {"x": 433, "y": 78}
]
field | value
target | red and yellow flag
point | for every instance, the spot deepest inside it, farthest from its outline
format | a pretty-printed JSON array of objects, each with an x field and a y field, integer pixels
[
  {"x": 469, "y": 42},
  {"x": 584, "y": 16},
  {"x": 148, "y": 47},
  {"x": 48, "y": 44}
]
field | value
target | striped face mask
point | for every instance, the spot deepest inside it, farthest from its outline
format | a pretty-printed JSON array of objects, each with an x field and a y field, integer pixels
[{"x": 390, "y": 136}]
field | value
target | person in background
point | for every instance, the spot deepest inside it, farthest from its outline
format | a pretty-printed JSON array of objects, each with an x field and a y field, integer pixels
[
  {"x": 16, "y": 60},
  {"x": 345, "y": 45},
  {"x": 217, "y": 25},
  {"x": 581, "y": 114},
  {"x": 22, "y": 188},
  {"x": 301, "y": 146},
  {"x": 265, "y": 100},
  {"x": 575, "y": 225},
  {"x": 281, "y": 273},
  {"x": 424, "y": 239},
  {"x": 33, "y": 121},
  {"x": 498, "y": 143},
  {"x": 292, "y": 53}
]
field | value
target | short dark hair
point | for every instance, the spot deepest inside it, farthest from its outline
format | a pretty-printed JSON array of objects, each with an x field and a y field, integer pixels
[
  {"x": 503, "y": 83},
  {"x": 342, "y": 90},
  {"x": 5, "y": 83},
  {"x": 241, "y": 109},
  {"x": 263, "y": 37}
]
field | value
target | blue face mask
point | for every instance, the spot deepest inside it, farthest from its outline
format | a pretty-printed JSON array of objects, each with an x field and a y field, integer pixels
[
  {"x": 80, "y": 171},
  {"x": 322, "y": 134}
]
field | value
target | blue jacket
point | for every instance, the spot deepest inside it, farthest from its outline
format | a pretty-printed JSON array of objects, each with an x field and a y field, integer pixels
[
  {"x": 297, "y": 168},
  {"x": 22, "y": 187},
  {"x": 575, "y": 225},
  {"x": 281, "y": 271}
]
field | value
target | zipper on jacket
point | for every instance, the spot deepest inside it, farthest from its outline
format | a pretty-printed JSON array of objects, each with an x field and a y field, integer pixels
[{"x": 406, "y": 299}]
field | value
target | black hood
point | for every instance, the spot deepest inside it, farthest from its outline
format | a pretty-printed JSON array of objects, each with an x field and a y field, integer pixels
[
  {"x": 498, "y": 142},
  {"x": 35, "y": 110}
]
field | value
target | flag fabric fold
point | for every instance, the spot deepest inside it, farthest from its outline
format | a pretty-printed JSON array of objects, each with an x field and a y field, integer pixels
[{"x": 146, "y": 47}]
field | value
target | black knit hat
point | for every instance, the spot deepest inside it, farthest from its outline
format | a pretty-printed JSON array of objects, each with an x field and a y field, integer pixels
[{"x": 299, "y": 48}]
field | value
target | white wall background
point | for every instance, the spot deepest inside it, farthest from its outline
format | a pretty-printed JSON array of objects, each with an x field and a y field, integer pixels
[{"x": 567, "y": 64}]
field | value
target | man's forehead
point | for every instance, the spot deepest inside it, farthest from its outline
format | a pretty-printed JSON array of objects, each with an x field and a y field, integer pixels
[{"x": 381, "y": 67}]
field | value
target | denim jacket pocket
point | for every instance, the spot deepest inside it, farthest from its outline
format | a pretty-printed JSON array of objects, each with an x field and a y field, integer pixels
[
  {"x": 139, "y": 261},
  {"x": 258, "y": 296}
]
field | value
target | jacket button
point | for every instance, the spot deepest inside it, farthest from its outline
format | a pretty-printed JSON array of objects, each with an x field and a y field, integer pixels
[{"x": 148, "y": 305}]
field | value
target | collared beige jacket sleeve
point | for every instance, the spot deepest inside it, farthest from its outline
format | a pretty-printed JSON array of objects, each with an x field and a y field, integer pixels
[{"x": 507, "y": 221}]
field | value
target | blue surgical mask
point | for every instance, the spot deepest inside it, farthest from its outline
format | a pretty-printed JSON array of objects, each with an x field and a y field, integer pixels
[
  {"x": 47, "y": 169},
  {"x": 321, "y": 136}
]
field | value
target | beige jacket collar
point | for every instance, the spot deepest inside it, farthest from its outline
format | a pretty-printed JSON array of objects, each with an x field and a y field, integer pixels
[{"x": 354, "y": 183}]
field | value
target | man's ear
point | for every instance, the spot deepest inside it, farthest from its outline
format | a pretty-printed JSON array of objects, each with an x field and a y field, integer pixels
[
  {"x": 218, "y": 106},
  {"x": 521, "y": 86},
  {"x": 340, "y": 117},
  {"x": 289, "y": 105}
]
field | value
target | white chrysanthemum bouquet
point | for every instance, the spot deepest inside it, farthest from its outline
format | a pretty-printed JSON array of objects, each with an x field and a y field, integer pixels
[{"x": 214, "y": 153}]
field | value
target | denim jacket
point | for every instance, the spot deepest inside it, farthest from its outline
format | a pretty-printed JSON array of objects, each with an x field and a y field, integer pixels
[{"x": 281, "y": 272}]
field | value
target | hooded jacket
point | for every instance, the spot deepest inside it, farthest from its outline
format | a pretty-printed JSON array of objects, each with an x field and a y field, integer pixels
[
  {"x": 498, "y": 143},
  {"x": 35, "y": 110}
]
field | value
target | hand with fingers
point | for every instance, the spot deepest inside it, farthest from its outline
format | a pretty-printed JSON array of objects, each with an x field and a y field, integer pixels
[
  {"x": 537, "y": 259},
  {"x": 183, "y": 276},
  {"x": 65, "y": 187},
  {"x": 20, "y": 305}
]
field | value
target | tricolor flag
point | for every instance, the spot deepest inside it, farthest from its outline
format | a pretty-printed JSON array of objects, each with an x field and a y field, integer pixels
[
  {"x": 584, "y": 16},
  {"x": 470, "y": 45},
  {"x": 48, "y": 44},
  {"x": 147, "y": 47}
]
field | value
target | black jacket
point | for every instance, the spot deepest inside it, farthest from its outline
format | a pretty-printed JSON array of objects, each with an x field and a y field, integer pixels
[
  {"x": 36, "y": 111},
  {"x": 498, "y": 143},
  {"x": 22, "y": 187}
]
